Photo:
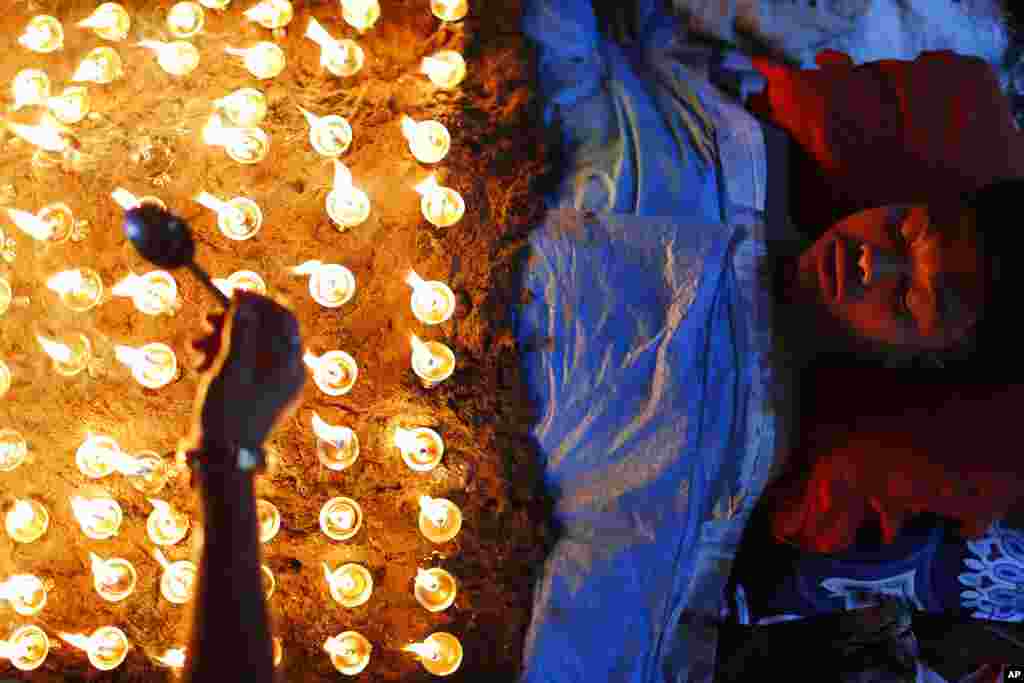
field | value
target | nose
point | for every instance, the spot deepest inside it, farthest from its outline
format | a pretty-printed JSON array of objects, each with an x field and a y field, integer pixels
[{"x": 878, "y": 263}]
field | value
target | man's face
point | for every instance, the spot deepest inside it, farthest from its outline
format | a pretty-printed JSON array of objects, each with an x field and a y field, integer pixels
[{"x": 905, "y": 276}]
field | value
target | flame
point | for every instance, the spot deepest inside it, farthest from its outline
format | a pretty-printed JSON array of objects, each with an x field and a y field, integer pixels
[
  {"x": 420, "y": 349},
  {"x": 47, "y": 135},
  {"x": 216, "y": 133},
  {"x": 427, "y": 581},
  {"x": 307, "y": 267},
  {"x": 342, "y": 176},
  {"x": 31, "y": 224},
  {"x": 428, "y": 649},
  {"x": 435, "y": 510},
  {"x": 328, "y": 574},
  {"x": 125, "y": 199},
  {"x": 336, "y": 647},
  {"x": 61, "y": 353},
  {"x": 104, "y": 17},
  {"x": 408, "y": 127},
  {"x": 173, "y": 658},
  {"x": 405, "y": 440},
  {"x": 129, "y": 356},
  {"x": 332, "y": 434},
  {"x": 162, "y": 508},
  {"x": 437, "y": 70},
  {"x": 19, "y": 586},
  {"x": 101, "y": 570},
  {"x": 78, "y": 640},
  {"x": 266, "y": 12},
  {"x": 90, "y": 512},
  {"x": 318, "y": 34},
  {"x": 131, "y": 285},
  {"x": 311, "y": 360},
  {"x": 427, "y": 186},
  {"x": 31, "y": 86},
  {"x": 161, "y": 558},
  {"x": 414, "y": 280},
  {"x": 211, "y": 202},
  {"x": 19, "y": 650},
  {"x": 311, "y": 118},
  {"x": 66, "y": 281}
]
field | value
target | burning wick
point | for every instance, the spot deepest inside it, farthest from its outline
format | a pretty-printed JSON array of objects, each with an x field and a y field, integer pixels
[
  {"x": 440, "y": 653},
  {"x": 27, "y": 521},
  {"x": 153, "y": 365},
  {"x": 421, "y": 448},
  {"x": 434, "y": 589},
  {"x": 440, "y": 520},
  {"x": 68, "y": 361},
  {"x": 429, "y": 141},
  {"x": 149, "y": 473},
  {"x": 165, "y": 525},
  {"x": 271, "y": 14},
  {"x": 172, "y": 658},
  {"x": 330, "y": 135},
  {"x": 109, "y": 21},
  {"x": 99, "y": 456},
  {"x": 244, "y": 145},
  {"x": 347, "y": 205},
  {"x": 99, "y": 518},
  {"x": 102, "y": 65},
  {"x": 269, "y": 520},
  {"x": 47, "y": 136},
  {"x": 31, "y": 87},
  {"x": 106, "y": 647},
  {"x": 341, "y": 57},
  {"x": 350, "y": 584},
  {"x": 186, "y": 19},
  {"x": 360, "y": 14},
  {"x": 334, "y": 373},
  {"x": 13, "y": 449},
  {"x": 43, "y": 34},
  {"x": 331, "y": 285},
  {"x": 263, "y": 60},
  {"x": 238, "y": 219},
  {"x": 244, "y": 280},
  {"x": 178, "y": 582},
  {"x": 245, "y": 108},
  {"x": 79, "y": 289},
  {"x": 449, "y": 10},
  {"x": 25, "y": 592},
  {"x": 278, "y": 651},
  {"x": 26, "y": 648},
  {"x": 113, "y": 579},
  {"x": 178, "y": 58},
  {"x": 445, "y": 69},
  {"x": 70, "y": 106},
  {"x": 433, "y": 302},
  {"x": 441, "y": 206},
  {"x": 349, "y": 652},
  {"x": 155, "y": 293},
  {"x": 341, "y": 518},
  {"x": 433, "y": 362},
  {"x": 337, "y": 447}
]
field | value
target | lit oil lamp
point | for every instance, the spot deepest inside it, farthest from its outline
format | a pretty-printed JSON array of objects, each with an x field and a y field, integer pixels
[
  {"x": 13, "y": 448},
  {"x": 172, "y": 658},
  {"x": 331, "y": 285},
  {"x": 186, "y": 19},
  {"x": 440, "y": 519},
  {"x": 26, "y": 648},
  {"x": 445, "y": 69},
  {"x": 99, "y": 518},
  {"x": 244, "y": 108},
  {"x": 126, "y": 200},
  {"x": 178, "y": 58},
  {"x": 27, "y": 521},
  {"x": 107, "y": 647},
  {"x": 68, "y": 359},
  {"x": 421, "y": 448},
  {"x": 30, "y": 87},
  {"x": 165, "y": 525},
  {"x": 268, "y": 581},
  {"x": 449, "y": 10},
  {"x": 149, "y": 474},
  {"x": 263, "y": 60},
  {"x": 334, "y": 373},
  {"x": 71, "y": 106},
  {"x": 244, "y": 145},
  {"x": 434, "y": 589},
  {"x": 433, "y": 302},
  {"x": 178, "y": 582},
  {"x": 153, "y": 365},
  {"x": 79, "y": 289},
  {"x": 109, "y": 21},
  {"x": 47, "y": 136},
  {"x": 59, "y": 222},
  {"x": 25, "y": 592},
  {"x": 433, "y": 362},
  {"x": 238, "y": 219},
  {"x": 429, "y": 141},
  {"x": 102, "y": 65},
  {"x": 269, "y": 520},
  {"x": 154, "y": 293},
  {"x": 337, "y": 447},
  {"x": 341, "y": 518},
  {"x": 349, "y": 652},
  {"x": 215, "y": 4},
  {"x": 244, "y": 280},
  {"x": 341, "y": 57},
  {"x": 441, "y": 206},
  {"x": 113, "y": 579},
  {"x": 271, "y": 14},
  {"x": 278, "y": 651},
  {"x": 350, "y": 584},
  {"x": 43, "y": 34},
  {"x": 98, "y": 456},
  {"x": 440, "y": 653},
  {"x": 360, "y": 14},
  {"x": 330, "y": 135},
  {"x": 347, "y": 205}
]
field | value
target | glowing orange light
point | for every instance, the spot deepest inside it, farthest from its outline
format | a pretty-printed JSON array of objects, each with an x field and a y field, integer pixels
[
  {"x": 445, "y": 69},
  {"x": 109, "y": 21},
  {"x": 360, "y": 14}
]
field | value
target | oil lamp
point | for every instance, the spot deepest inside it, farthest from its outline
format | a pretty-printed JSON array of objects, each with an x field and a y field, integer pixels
[
  {"x": 441, "y": 206},
  {"x": 331, "y": 285},
  {"x": 79, "y": 289},
  {"x": 113, "y": 579},
  {"x": 43, "y": 34},
  {"x": 102, "y": 65},
  {"x": 178, "y": 58},
  {"x": 269, "y": 583},
  {"x": 165, "y": 525},
  {"x": 186, "y": 19},
  {"x": 153, "y": 293},
  {"x": 440, "y": 519},
  {"x": 5, "y": 378},
  {"x": 337, "y": 447},
  {"x": 178, "y": 582},
  {"x": 334, "y": 372},
  {"x": 31, "y": 87},
  {"x": 350, "y": 584},
  {"x": 98, "y": 456},
  {"x": 27, "y": 521},
  {"x": 440, "y": 653},
  {"x": 13, "y": 449},
  {"x": 263, "y": 60},
  {"x": 107, "y": 647},
  {"x": 238, "y": 219},
  {"x": 269, "y": 520},
  {"x": 244, "y": 108},
  {"x": 244, "y": 145},
  {"x": 25, "y": 592},
  {"x": 68, "y": 359},
  {"x": 278, "y": 651},
  {"x": 99, "y": 518},
  {"x": 215, "y": 4},
  {"x": 433, "y": 362},
  {"x": 349, "y": 652},
  {"x": 271, "y": 14},
  {"x": 348, "y": 206},
  {"x": 445, "y": 69},
  {"x": 109, "y": 21},
  {"x": 172, "y": 658},
  {"x": 153, "y": 365},
  {"x": 434, "y": 589},
  {"x": 71, "y": 106},
  {"x": 360, "y": 14},
  {"x": 47, "y": 136},
  {"x": 341, "y": 57},
  {"x": 340, "y": 518},
  {"x": 449, "y": 10},
  {"x": 433, "y": 302},
  {"x": 26, "y": 648},
  {"x": 244, "y": 280},
  {"x": 330, "y": 135},
  {"x": 429, "y": 141},
  {"x": 149, "y": 474},
  {"x": 421, "y": 448}
]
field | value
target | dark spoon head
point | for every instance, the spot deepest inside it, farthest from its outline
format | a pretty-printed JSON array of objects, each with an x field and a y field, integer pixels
[{"x": 159, "y": 236}]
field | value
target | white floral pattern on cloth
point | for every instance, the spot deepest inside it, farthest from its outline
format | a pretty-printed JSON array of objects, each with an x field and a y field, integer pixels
[
  {"x": 995, "y": 576},
  {"x": 860, "y": 593}
]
